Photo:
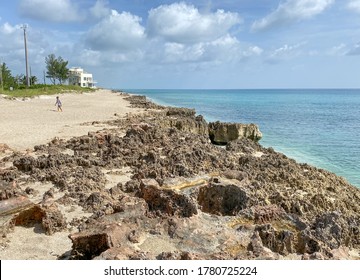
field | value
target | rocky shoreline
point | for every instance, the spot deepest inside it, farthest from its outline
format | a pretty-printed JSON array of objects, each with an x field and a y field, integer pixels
[{"x": 183, "y": 196}]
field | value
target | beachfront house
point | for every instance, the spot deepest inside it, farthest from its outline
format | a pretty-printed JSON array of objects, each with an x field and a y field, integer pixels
[{"x": 78, "y": 77}]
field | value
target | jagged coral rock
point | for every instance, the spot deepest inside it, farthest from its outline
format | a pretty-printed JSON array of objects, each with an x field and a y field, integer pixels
[
  {"x": 223, "y": 198},
  {"x": 166, "y": 202},
  {"x": 222, "y": 133}
]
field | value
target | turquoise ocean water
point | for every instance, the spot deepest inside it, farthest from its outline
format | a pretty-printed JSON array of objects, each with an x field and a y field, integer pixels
[{"x": 320, "y": 127}]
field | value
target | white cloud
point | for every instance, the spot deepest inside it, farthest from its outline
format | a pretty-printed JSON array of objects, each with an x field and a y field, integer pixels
[
  {"x": 11, "y": 37},
  {"x": 355, "y": 50},
  {"x": 291, "y": 11},
  {"x": 337, "y": 50},
  {"x": 284, "y": 53},
  {"x": 88, "y": 58},
  {"x": 224, "y": 50},
  {"x": 100, "y": 9},
  {"x": 182, "y": 23},
  {"x": 354, "y": 5},
  {"x": 121, "y": 32},
  {"x": 50, "y": 10},
  {"x": 12, "y": 48},
  {"x": 253, "y": 50},
  {"x": 175, "y": 52},
  {"x": 7, "y": 29}
]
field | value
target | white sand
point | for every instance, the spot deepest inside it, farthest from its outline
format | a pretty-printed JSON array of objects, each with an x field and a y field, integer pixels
[{"x": 30, "y": 122}]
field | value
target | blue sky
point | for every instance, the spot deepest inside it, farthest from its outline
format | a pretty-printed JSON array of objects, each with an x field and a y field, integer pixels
[{"x": 190, "y": 44}]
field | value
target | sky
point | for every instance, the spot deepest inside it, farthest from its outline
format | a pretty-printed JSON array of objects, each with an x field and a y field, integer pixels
[{"x": 143, "y": 44}]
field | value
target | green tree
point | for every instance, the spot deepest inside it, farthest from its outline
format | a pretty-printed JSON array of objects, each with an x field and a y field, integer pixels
[
  {"x": 51, "y": 65},
  {"x": 7, "y": 80},
  {"x": 33, "y": 80},
  {"x": 62, "y": 70},
  {"x": 20, "y": 80},
  {"x": 56, "y": 69}
]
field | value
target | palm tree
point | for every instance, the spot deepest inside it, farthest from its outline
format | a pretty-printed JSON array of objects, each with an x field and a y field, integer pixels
[{"x": 33, "y": 80}]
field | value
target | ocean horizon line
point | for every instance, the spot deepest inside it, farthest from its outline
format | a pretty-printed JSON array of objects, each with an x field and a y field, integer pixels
[{"x": 196, "y": 89}]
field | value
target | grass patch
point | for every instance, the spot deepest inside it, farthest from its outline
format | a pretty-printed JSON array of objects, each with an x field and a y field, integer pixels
[{"x": 37, "y": 90}]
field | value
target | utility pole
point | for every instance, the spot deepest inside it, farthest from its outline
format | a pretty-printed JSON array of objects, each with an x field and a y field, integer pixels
[
  {"x": 1, "y": 76},
  {"x": 26, "y": 57}
]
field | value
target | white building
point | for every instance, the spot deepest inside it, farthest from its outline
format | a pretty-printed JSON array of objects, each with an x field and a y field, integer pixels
[{"x": 78, "y": 77}]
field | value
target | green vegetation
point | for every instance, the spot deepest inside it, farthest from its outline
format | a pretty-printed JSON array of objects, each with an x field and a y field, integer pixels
[
  {"x": 56, "y": 69},
  {"x": 41, "y": 89},
  {"x": 7, "y": 80}
]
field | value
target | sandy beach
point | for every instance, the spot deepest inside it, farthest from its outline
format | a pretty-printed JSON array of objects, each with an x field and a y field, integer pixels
[{"x": 33, "y": 121}]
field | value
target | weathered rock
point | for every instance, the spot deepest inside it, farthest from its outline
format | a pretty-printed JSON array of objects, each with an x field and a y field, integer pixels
[
  {"x": 9, "y": 190},
  {"x": 140, "y": 101},
  {"x": 179, "y": 256},
  {"x": 30, "y": 216},
  {"x": 166, "y": 202},
  {"x": 264, "y": 214},
  {"x": 244, "y": 145},
  {"x": 87, "y": 245},
  {"x": 223, "y": 198},
  {"x": 25, "y": 164},
  {"x": 48, "y": 215},
  {"x": 134, "y": 236},
  {"x": 222, "y": 133},
  {"x": 53, "y": 220},
  {"x": 185, "y": 120},
  {"x": 4, "y": 148},
  {"x": 14, "y": 205},
  {"x": 278, "y": 241},
  {"x": 335, "y": 230},
  {"x": 259, "y": 250}
]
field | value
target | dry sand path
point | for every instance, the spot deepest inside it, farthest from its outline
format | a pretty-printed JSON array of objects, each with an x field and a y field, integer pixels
[{"x": 26, "y": 123}]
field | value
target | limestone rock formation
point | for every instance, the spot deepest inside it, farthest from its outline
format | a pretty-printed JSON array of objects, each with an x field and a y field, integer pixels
[{"x": 222, "y": 132}]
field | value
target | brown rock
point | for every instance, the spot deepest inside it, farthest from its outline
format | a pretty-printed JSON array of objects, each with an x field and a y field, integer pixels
[
  {"x": 53, "y": 220},
  {"x": 222, "y": 133},
  {"x": 89, "y": 245},
  {"x": 167, "y": 202},
  {"x": 223, "y": 198}
]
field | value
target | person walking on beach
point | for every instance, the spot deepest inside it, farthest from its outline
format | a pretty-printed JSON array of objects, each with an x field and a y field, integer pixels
[{"x": 58, "y": 103}]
